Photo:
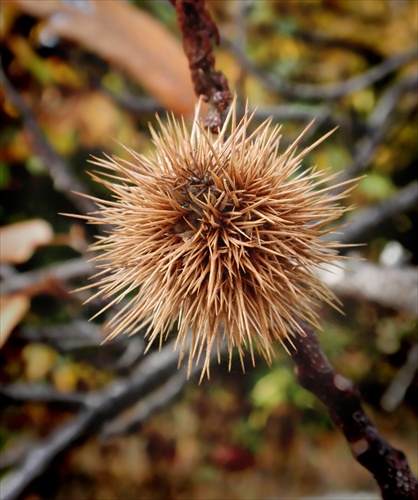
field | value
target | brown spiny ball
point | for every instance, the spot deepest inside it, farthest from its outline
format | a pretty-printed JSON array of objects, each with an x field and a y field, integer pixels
[{"x": 220, "y": 235}]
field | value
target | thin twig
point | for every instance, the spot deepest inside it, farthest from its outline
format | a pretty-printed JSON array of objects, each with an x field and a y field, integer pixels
[
  {"x": 36, "y": 393},
  {"x": 84, "y": 340},
  {"x": 143, "y": 105},
  {"x": 138, "y": 105},
  {"x": 296, "y": 112},
  {"x": 378, "y": 126},
  {"x": 63, "y": 271},
  {"x": 302, "y": 91},
  {"x": 157, "y": 400},
  {"x": 323, "y": 40},
  {"x": 60, "y": 172},
  {"x": 396, "y": 391},
  {"x": 71, "y": 336},
  {"x": 99, "y": 407},
  {"x": 394, "y": 287},
  {"x": 198, "y": 33},
  {"x": 389, "y": 466},
  {"x": 365, "y": 223}
]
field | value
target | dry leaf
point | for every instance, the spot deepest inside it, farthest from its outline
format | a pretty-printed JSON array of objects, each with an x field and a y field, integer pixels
[
  {"x": 19, "y": 241},
  {"x": 12, "y": 310},
  {"x": 127, "y": 37}
]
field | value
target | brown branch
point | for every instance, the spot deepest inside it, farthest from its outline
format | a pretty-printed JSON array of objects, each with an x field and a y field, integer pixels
[
  {"x": 199, "y": 32},
  {"x": 98, "y": 408},
  {"x": 328, "y": 91},
  {"x": 389, "y": 466},
  {"x": 64, "y": 181},
  {"x": 365, "y": 224},
  {"x": 380, "y": 125},
  {"x": 144, "y": 409}
]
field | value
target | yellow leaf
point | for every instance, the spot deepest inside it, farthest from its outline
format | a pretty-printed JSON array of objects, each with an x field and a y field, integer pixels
[
  {"x": 12, "y": 310},
  {"x": 39, "y": 361},
  {"x": 65, "y": 378}
]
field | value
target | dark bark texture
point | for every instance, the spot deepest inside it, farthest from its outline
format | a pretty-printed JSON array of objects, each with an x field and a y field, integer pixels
[
  {"x": 199, "y": 33},
  {"x": 389, "y": 466}
]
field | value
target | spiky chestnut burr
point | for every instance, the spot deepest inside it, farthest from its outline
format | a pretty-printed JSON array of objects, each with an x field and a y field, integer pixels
[{"x": 220, "y": 235}]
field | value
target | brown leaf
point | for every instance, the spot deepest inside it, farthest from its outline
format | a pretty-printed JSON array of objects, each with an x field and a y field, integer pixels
[
  {"x": 124, "y": 36},
  {"x": 12, "y": 310},
  {"x": 19, "y": 241}
]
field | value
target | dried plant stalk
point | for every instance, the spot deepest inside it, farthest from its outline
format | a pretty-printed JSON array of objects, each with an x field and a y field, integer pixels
[{"x": 220, "y": 235}]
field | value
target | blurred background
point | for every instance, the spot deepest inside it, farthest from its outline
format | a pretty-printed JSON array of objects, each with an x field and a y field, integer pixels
[{"x": 81, "y": 420}]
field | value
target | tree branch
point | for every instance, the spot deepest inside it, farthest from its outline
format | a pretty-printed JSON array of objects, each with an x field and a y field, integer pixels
[
  {"x": 394, "y": 287},
  {"x": 143, "y": 410},
  {"x": 22, "y": 393},
  {"x": 295, "y": 90},
  {"x": 379, "y": 124},
  {"x": 198, "y": 33},
  {"x": 60, "y": 173},
  {"x": 396, "y": 391},
  {"x": 389, "y": 466},
  {"x": 365, "y": 223},
  {"x": 99, "y": 407},
  {"x": 62, "y": 271}
]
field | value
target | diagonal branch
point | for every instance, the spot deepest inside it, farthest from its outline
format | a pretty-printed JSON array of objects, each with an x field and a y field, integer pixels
[
  {"x": 64, "y": 181},
  {"x": 366, "y": 223},
  {"x": 390, "y": 286},
  {"x": 388, "y": 465},
  {"x": 331, "y": 91},
  {"x": 380, "y": 124},
  {"x": 98, "y": 407}
]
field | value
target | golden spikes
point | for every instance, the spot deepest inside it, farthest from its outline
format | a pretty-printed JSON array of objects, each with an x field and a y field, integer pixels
[{"x": 220, "y": 234}]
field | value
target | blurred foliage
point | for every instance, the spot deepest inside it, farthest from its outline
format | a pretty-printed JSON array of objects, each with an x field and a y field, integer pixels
[{"x": 238, "y": 436}]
